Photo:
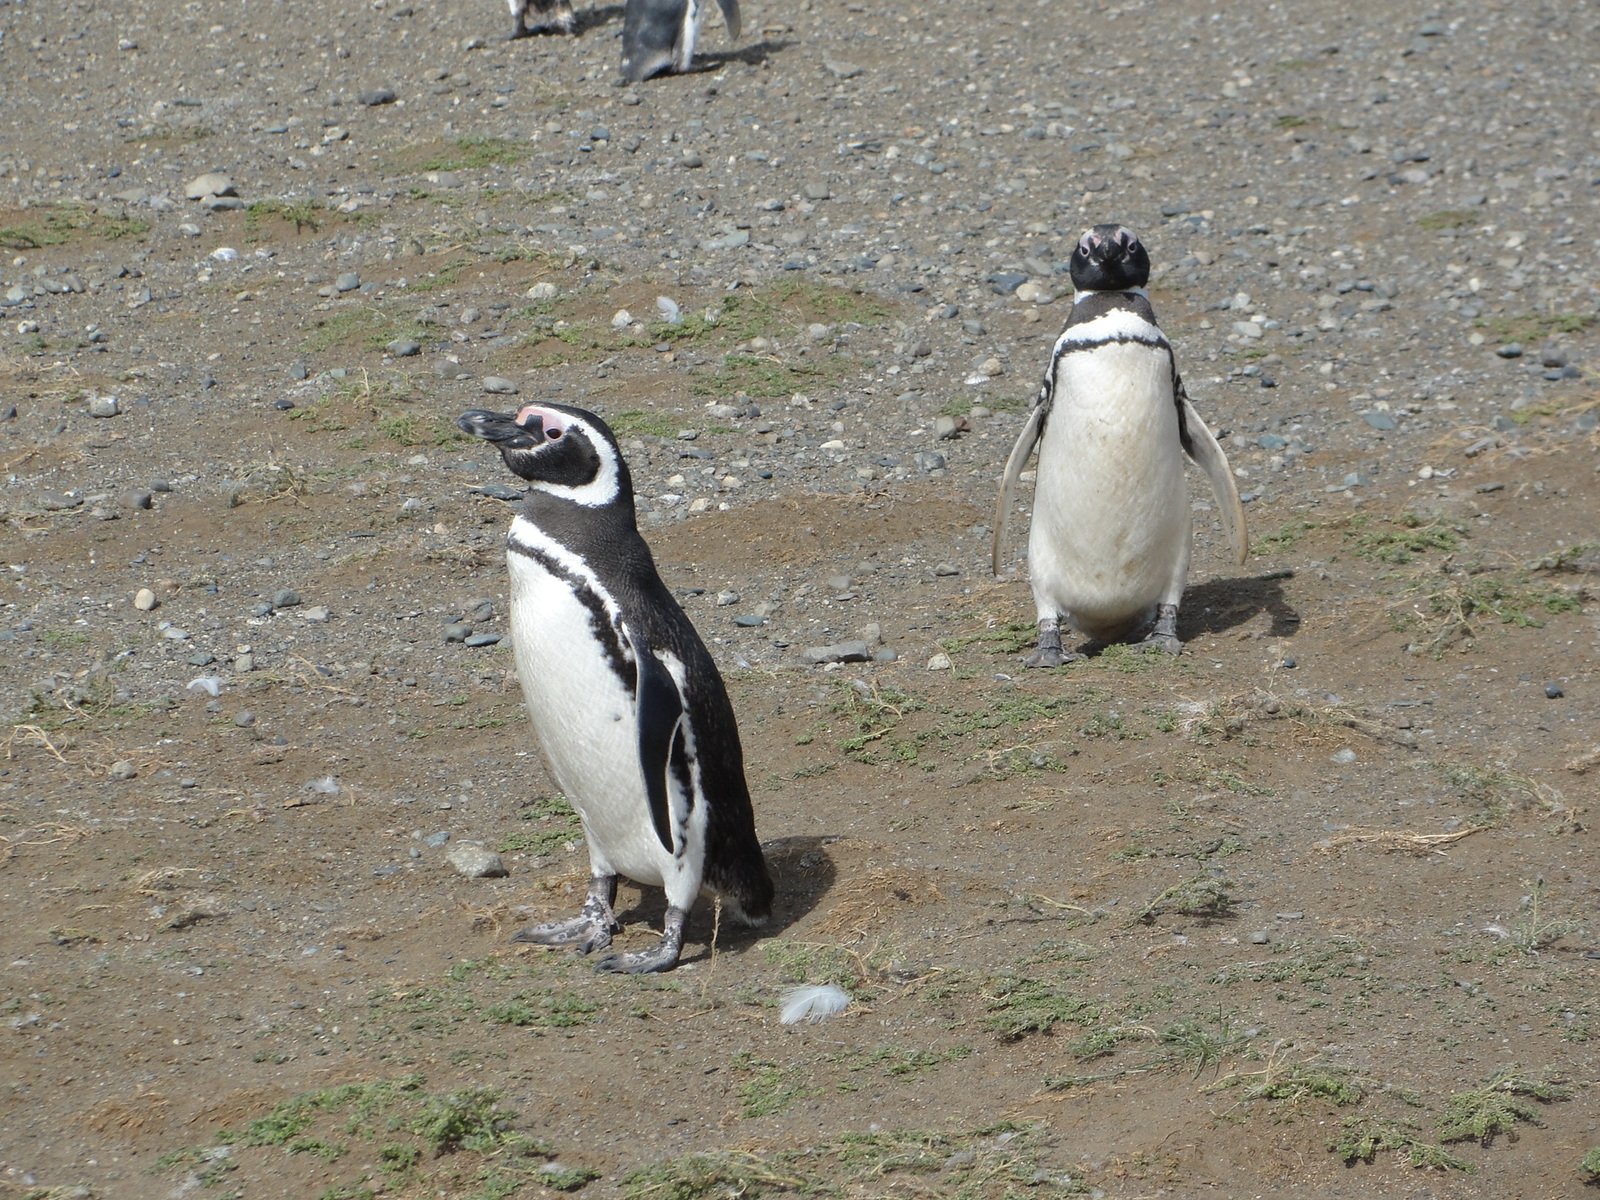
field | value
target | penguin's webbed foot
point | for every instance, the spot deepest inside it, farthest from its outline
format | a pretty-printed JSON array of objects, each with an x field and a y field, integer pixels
[
  {"x": 663, "y": 956},
  {"x": 1049, "y": 653},
  {"x": 589, "y": 931},
  {"x": 1164, "y": 637}
]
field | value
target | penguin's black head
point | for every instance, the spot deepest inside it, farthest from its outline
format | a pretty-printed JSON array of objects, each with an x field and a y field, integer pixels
[
  {"x": 565, "y": 451},
  {"x": 1110, "y": 258}
]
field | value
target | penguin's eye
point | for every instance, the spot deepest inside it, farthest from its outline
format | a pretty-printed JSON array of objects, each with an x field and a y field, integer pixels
[
  {"x": 1085, "y": 244},
  {"x": 552, "y": 434}
]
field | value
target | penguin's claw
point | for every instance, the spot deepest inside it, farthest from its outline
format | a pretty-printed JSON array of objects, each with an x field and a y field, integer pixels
[{"x": 663, "y": 956}]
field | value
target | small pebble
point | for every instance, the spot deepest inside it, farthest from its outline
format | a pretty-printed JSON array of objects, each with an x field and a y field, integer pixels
[
  {"x": 1553, "y": 691},
  {"x": 145, "y": 600}
]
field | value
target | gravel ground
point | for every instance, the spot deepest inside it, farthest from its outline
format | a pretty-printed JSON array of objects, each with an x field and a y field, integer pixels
[{"x": 257, "y": 702}]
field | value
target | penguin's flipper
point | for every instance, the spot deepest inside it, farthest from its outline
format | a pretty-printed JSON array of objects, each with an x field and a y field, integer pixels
[
  {"x": 1026, "y": 440},
  {"x": 730, "y": 17},
  {"x": 1201, "y": 446},
  {"x": 659, "y": 709}
]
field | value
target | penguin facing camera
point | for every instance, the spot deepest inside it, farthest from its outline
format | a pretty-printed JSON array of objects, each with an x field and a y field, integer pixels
[
  {"x": 529, "y": 17},
  {"x": 624, "y": 698},
  {"x": 1108, "y": 545},
  {"x": 659, "y": 35}
]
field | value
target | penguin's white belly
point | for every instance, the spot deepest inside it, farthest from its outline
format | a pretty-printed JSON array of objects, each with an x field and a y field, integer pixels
[
  {"x": 1111, "y": 526},
  {"x": 585, "y": 719}
]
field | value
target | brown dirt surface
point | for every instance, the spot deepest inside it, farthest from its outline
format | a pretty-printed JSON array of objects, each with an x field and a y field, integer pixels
[{"x": 1310, "y": 909}]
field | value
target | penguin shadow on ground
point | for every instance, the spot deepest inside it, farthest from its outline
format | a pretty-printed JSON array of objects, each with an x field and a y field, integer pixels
[
  {"x": 802, "y": 874},
  {"x": 1219, "y": 605},
  {"x": 754, "y": 55}
]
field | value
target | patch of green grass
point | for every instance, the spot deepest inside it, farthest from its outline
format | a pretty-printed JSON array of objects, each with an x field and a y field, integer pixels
[
  {"x": 1005, "y": 639},
  {"x": 1285, "y": 537},
  {"x": 638, "y": 423},
  {"x": 1204, "y": 895},
  {"x": 1362, "y": 1138},
  {"x": 475, "y": 153},
  {"x": 543, "y": 1010},
  {"x": 766, "y": 377},
  {"x": 1509, "y": 598},
  {"x": 1448, "y": 218},
  {"x": 903, "y": 1061},
  {"x": 64, "y": 639},
  {"x": 446, "y": 276},
  {"x": 357, "y": 327},
  {"x": 1295, "y": 1084},
  {"x": 1482, "y": 1114},
  {"x": 554, "y": 825},
  {"x": 1201, "y": 1043},
  {"x": 457, "y": 1143},
  {"x": 1291, "y": 121},
  {"x": 59, "y": 224},
  {"x": 302, "y": 214},
  {"x": 1536, "y": 327},
  {"x": 769, "y": 1089},
  {"x": 1017, "y": 1006},
  {"x": 719, "y": 1175},
  {"x": 1402, "y": 541},
  {"x": 1589, "y": 1166},
  {"x": 872, "y": 713}
]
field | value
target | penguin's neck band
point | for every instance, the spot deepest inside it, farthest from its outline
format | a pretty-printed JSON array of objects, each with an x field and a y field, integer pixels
[{"x": 1078, "y": 297}]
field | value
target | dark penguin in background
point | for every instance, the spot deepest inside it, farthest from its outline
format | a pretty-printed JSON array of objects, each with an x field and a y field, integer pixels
[
  {"x": 659, "y": 35},
  {"x": 625, "y": 700},
  {"x": 529, "y": 17},
  {"x": 1108, "y": 547}
]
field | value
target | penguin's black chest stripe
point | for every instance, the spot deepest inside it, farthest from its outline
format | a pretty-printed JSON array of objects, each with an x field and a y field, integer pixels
[{"x": 600, "y": 625}]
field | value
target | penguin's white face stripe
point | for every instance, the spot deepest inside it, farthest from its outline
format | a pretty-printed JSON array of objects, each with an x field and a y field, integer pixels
[{"x": 604, "y": 487}]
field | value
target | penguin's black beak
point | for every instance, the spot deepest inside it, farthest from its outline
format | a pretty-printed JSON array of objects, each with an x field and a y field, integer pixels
[{"x": 502, "y": 429}]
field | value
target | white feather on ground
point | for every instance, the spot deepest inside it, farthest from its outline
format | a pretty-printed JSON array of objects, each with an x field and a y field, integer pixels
[{"x": 814, "y": 1002}]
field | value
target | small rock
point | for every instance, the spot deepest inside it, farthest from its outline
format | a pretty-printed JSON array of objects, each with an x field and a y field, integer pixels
[
  {"x": 498, "y": 385},
  {"x": 1260, "y": 938},
  {"x": 123, "y": 769},
  {"x": 852, "y": 651},
  {"x": 1344, "y": 756},
  {"x": 1553, "y": 691},
  {"x": 1510, "y": 350},
  {"x": 457, "y": 632},
  {"x": 244, "y": 718},
  {"x": 404, "y": 348},
  {"x": 145, "y": 600},
  {"x": 347, "y": 281},
  {"x": 542, "y": 291},
  {"x": 103, "y": 406},
  {"x": 372, "y": 97},
  {"x": 212, "y": 183},
  {"x": 477, "y": 640},
  {"x": 475, "y": 861},
  {"x": 317, "y": 614},
  {"x": 939, "y": 662},
  {"x": 285, "y": 598}
]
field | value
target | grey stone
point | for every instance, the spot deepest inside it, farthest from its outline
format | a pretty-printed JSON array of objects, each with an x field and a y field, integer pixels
[
  {"x": 347, "y": 281},
  {"x": 497, "y": 385},
  {"x": 404, "y": 348},
  {"x": 475, "y": 861},
  {"x": 852, "y": 651}
]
